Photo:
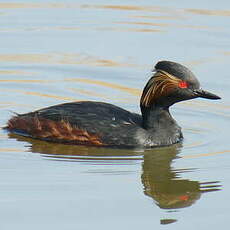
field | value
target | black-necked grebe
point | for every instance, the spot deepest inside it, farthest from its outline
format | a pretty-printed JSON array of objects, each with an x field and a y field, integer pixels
[{"x": 103, "y": 124}]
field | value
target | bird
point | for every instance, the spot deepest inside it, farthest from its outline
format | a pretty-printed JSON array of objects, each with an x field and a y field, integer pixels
[{"x": 93, "y": 123}]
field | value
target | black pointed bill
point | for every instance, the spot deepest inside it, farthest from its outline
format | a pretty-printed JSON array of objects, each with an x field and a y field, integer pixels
[{"x": 205, "y": 94}]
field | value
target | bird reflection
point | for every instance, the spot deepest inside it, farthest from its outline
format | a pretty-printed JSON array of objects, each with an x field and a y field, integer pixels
[
  {"x": 160, "y": 180},
  {"x": 165, "y": 185}
]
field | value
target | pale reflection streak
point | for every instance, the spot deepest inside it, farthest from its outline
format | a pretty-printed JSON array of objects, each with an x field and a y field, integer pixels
[
  {"x": 209, "y": 12},
  {"x": 41, "y": 94},
  {"x": 65, "y": 28},
  {"x": 132, "y": 29},
  {"x": 14, "y": 5},
  {"x": 64, "y": 58},
  {"x": 162, "y": 9},
  {"x": 133, "y": 91},
  {"x": 163, "y": 25},
  {"x": 11, "y": 150},
  {"x": 160, "y": 17},
  {"x": 81, "y": 59},
  {"x": 9, "y": 104},
  {"x": 40, "y": 28},
  {"x": 91, "y": 60},
  {"x": 27, "y": 58},
  {"x": 127, "y": 7},
  {"x": 147, "y": 8},
  {"x": 5, "y": 5},
  {"x": 171, "y": 14},
  {"x": 25, "y": 81},
  {"x": 206, "y": 154},
  {"x": 89, "y": 93},
  {"x": 84, "y": 59},
  {"x": 207, "y": 104},
  {"x": 15, "y": 72},
  {"x": 21, "y": 5},
  {"x": 123, "y": 99},
  {"x": 206, "y": 60}
]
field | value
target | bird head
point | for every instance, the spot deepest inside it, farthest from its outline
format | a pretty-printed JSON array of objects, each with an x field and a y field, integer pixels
[{"x": 171, "y": 83}]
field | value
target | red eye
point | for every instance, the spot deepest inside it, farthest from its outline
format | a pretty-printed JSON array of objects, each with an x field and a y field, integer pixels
[
  {"x": 184, "y": 197},
  {"x": 183, "y": 84}
]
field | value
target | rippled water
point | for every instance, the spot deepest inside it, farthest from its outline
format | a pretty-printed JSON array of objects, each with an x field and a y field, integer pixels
[{"x": 58, "y": 51}]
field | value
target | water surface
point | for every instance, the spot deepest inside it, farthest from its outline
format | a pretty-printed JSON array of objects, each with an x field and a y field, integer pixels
[{"x": 59, "y": 51}]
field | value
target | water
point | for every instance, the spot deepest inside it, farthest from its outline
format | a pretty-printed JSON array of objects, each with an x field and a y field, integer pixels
[{"x": 58, "y": 51}]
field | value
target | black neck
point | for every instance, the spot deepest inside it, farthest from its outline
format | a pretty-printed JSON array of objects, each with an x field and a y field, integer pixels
[
  {"x": 156, "y": 117},
  {"x": 161, "y": 128}
]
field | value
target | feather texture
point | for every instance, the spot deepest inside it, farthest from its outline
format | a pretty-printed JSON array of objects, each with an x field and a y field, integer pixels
[
  {"x": 161, "y": 84},
  {"x": 45, "y": 129}
]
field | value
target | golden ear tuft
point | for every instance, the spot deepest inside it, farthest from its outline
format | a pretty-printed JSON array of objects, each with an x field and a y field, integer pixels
[{"x": 161, "y": 84}]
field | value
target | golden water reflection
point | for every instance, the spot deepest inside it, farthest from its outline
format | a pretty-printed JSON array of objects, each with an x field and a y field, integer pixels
[
  {"x": 15, "y": 72},
  {"x": 147, "y": 8},
  {"x": 160, "y": 13},
  {"x": 33, "y": 93},
  {"x": 144, "y": 30},
  {"x": 209, "y": 12},
  {"x": 165, "y": 185},
  {"x": 162, "y": 25},
  {"x": 132, "y": 91},
  {"x": 64, "y": 58},
  {"x": 14, "y": 5}
]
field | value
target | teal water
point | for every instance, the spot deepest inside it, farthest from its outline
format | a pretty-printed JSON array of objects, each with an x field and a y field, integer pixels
[{"x": 58, "y": 51}]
